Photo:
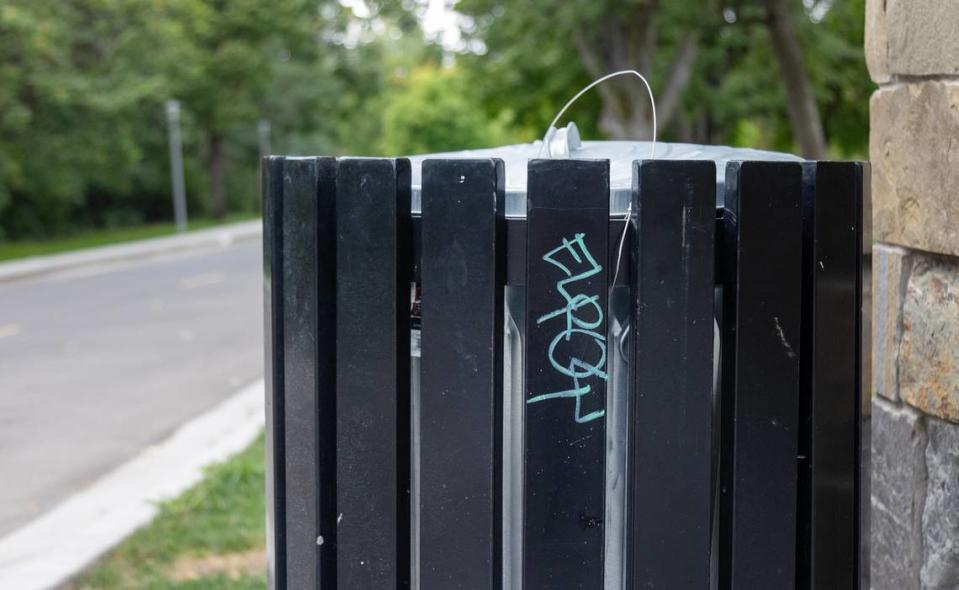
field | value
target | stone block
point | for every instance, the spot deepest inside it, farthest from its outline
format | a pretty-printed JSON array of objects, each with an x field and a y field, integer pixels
[
  {"x": 929, "y": 352},
  {"x": 940, "y": 519},
  {"x": 922, "y": 37},
  {"x": 898, "y": 493},
  {"x": 915, "y": 165},
  {"x": 890, "y": 269},
  {"x": 877, "y": 41}
]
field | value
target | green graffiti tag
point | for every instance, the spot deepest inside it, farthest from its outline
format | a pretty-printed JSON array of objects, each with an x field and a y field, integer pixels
[{"x": 581, "y": 315}]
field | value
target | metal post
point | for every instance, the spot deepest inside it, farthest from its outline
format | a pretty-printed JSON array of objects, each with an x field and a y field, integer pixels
[
  {"x": 264, "y": 149},
  {"x": 263, "y": 137},
  {"x": 176, "y": 164}
]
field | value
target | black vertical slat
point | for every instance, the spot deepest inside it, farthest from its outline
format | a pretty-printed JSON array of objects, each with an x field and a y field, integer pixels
[
  {"x": 299, "y": 371},
  {"x": 828, "y": 429},
  {"x": 404, "y": 425},
  {"x": 863, "y": 398},
  {"x": 761, "y": 299},
  {"x": 463, "y": 271},
  {"x": 670, "y": 466},
  {"x": 272, "y": 187},
  {"x": 567, "y": 246},
  {"x": 325, "y": 253},
  {"x": 372, "y": 373}
]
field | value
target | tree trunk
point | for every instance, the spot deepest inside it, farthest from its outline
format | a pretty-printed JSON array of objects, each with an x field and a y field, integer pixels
[
  {"x": 217, "y": 165},
  {"x": 670, "y": 98},
  {"x": 621, "y": 45},
  {"x": 800, "y": 100}
]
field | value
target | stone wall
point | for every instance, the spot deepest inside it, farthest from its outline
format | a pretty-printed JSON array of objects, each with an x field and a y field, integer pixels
[{"x": 912, "y": 51}]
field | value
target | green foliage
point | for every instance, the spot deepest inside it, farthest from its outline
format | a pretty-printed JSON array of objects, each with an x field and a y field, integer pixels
[
  {"x": 433, "y": 110},
  {"x": 83, "y": 136},
  {"x": 83, "y": 83},
  {"x": 530, "y": 68},
  {"x": 222, "y": 515},
  {"x": 75, "y": 77},
  {"x": 738, "y": 87},
  {"x": 834, "y": 52},
  {"x": 735, "y": 95}
]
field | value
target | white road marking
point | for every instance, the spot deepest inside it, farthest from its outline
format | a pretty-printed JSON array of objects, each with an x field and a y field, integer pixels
[
  {"x": 200, "y": 281},
  {"x": 8, "y": 330},
  {"x": 55, "y": 546}
]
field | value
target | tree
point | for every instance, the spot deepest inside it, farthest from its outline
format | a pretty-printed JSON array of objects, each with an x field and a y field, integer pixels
[
  {"x": 432, "y": 110},
  {"x": 79, "y": 82},
  {"x": 709, "y": 63},
  {"x": 82, "y": 92},
  {"x": 779, "y": 18},
  {"x": 833, "y": 55},
  {"x": 237, "y": 47},
  {"x": 83, "y": 83},
  {"x": 557, "y": 46}
]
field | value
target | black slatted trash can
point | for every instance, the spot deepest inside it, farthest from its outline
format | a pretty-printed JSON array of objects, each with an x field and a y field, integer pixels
[{"x": 488, "y": 370}]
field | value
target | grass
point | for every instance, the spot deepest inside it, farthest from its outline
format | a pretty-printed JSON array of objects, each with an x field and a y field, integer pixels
[
  {"x": 102, "y": 237},
  {"x": 211, "y": 537}
]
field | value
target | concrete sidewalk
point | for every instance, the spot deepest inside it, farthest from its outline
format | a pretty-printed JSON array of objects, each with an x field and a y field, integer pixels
[
  {"x": 218, "y": 237},
  {"x": 62, "y": 542}
]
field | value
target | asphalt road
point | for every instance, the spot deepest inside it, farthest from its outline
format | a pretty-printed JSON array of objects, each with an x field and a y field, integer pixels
[{"x": 98, "y": 363}]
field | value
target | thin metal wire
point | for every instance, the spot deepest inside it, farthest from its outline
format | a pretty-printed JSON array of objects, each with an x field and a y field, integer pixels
[
  {"x": 652, "y": 151},
  {"x": 593, "y": 84}
]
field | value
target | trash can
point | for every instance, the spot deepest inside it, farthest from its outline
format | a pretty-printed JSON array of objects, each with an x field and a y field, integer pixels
[{"x": 488, "y": 369}]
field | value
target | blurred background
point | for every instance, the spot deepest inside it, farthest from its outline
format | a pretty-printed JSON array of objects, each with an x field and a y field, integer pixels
[
  {"x": 83, "y": 87},
  {"x": 107, "y": 352}
]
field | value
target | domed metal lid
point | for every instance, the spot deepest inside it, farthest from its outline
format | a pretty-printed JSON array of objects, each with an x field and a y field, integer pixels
[{"x": 621, "y": 155}]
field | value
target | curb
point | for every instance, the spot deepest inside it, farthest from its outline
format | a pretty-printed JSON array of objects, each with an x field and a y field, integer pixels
[
  {"x": 62, "y": 542},
  {"x": 218, "y": 237}
]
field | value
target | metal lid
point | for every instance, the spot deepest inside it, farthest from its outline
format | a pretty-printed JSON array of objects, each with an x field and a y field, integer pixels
[{"x": 621, "y": 155}]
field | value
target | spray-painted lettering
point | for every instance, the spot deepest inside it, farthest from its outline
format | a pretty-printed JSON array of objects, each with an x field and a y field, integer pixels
[{"x": 578, "y": 318}]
